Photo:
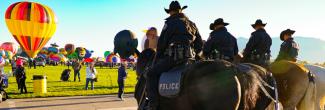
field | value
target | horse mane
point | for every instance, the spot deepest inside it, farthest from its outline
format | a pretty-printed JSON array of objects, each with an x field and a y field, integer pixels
[{"x": 249, "y": 83}]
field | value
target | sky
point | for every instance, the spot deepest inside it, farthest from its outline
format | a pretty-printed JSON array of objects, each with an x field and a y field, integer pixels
[{"x": 94, "y": 23}]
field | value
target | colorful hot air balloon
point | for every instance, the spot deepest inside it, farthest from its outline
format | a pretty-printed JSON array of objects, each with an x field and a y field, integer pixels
[
  {"x": 88, "y": 53},
  {"x": 9, "y": 46},
  {"x": 53, "y": 50},
  {"x": 106, "y": 53},
  {"x": 31, "y": 24},
  {"x": 81, "y": 52},
  {"x": 44, "y": 50},
  {"x": 69, "y": 48},
  {"x": 62, "y": 51}
]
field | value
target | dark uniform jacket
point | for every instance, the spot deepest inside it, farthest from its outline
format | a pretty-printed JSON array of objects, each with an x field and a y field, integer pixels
[
  {"x": 259, "y": 44},
  {"x": 222, "y": 41},
  {"x": 288, "y": 51},
  {"x": 179, "y": 29}
]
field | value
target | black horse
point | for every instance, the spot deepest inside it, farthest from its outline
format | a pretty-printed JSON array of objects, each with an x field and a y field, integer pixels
[{"x": 213, "y": 85}]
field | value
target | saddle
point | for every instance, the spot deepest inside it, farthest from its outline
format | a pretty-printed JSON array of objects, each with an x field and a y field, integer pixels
[{"x": 170, "y": 82}]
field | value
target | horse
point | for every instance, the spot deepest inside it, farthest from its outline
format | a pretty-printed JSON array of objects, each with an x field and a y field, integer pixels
[
  {"x": 320, "y": 83},
  {"x": 212, "y": 85},
  {"x": 296, "y": 86}
]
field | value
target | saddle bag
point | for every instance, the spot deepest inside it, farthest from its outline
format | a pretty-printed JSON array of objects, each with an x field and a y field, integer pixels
[{"x": 170, "y": 82}]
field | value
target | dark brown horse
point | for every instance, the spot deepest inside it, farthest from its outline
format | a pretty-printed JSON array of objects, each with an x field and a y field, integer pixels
[{"x": 212, "y": 85}]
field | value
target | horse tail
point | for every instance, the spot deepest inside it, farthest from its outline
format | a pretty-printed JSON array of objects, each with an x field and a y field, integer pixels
[
  {"x": 309, "y": 99},
  {"x": 249, "y": 87}
]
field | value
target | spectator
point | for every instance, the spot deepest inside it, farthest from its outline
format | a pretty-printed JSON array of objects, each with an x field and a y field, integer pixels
[
  {"x": 13, "y": 66},
  {"x": 91, "y": 75},
  {"x": 122, "y": 74},
  {"x": 2, "y": 63},
  {"x": 76, "y": 68},
  {"x": 30, "y": 63},
  {"x": 152, "y": 39},
  {"x": 34, "y": 63},
  {"x": 21, "y": 76},
  {"x": 19, "y": 64}
]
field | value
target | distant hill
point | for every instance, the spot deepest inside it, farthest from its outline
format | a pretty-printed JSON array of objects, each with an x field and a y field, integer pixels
[{"x": 311, "y": 49}]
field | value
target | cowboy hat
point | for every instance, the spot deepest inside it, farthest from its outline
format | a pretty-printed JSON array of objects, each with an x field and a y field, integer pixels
[
  {"x": 287, "y": 31},
  {"x": 218, "y": 21},
  {"x": 258, "y": 22},
  {"x": 174, "y": 5}
]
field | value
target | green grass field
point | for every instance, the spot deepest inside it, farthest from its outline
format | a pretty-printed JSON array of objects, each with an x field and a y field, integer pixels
[{"x": 107, "y": 83}]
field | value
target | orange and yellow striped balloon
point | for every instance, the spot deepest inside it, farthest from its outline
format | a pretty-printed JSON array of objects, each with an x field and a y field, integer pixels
[{"x": 31, "y": 24}]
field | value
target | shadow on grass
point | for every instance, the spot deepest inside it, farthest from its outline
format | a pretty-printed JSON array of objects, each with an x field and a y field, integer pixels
[
  {"x": 52, "y": 105},
  {"x": 79, "y": 88},
  {"x": 76, "y": 98}
]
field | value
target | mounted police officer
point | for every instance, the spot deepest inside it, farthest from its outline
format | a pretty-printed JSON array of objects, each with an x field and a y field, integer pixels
[
  {"x": 257, "y": 49},
  {"x": 289, "y": 48},
  {"x": 221, "y": 44},
  {"x": 178, "y": 43}
]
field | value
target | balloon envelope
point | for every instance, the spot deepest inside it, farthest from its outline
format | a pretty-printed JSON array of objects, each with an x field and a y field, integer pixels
[
  {"x": 1, "y": 60},
  {"x": 9, "y": 46},
  {"x": 69, "y": 48},
  {"x": 125, "y": 43},
  {"x": 106, "y": 53},
  {"x": 62, "y": 51},
  {"x": 31, "y": 24},
  {"x": 88, "y": 54},
  {"x": 53, "y": 50},
  {"x": 81, "y": 52}
]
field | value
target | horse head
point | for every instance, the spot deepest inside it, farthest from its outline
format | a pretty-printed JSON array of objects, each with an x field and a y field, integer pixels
[{"x": 145, "y": 59}]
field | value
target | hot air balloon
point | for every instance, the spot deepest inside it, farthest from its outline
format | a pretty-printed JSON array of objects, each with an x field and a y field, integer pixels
[
  {"x": 81, "y": 52},
  {"x": 69, "y": 48},
  {"x": 125, "y": 43},
  {"x": 53, "y": 50},
  {"x": 9, "y": 46},
  {"x": 106, "y": 53},
  {"x": 55, "y": 57},
  {"x": 88, "y": 53},
  {"x": 1, "y": 60},
  {"x": 44, "y": 50},
  {"x": 31, "y": 24},
  {"x": 62, "y": 51},
  {"x": 2, "y": 53}
]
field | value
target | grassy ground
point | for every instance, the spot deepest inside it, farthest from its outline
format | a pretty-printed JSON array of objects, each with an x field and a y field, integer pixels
[{"x": 107, "y": 83}]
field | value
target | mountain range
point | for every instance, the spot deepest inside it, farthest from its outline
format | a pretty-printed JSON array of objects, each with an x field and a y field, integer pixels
[{"x": 311, "y": 49}]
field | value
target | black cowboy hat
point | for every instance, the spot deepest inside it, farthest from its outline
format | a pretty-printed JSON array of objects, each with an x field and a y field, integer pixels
[
  {"x": 287, "y": 31},
  {"x": 174, "y": 5},
  {"x": 258, "y": 22},
  {"x": 218, "y": 21}
]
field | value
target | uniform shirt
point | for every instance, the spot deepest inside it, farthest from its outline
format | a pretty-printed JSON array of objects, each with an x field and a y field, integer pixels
[
  {"x": 179, "y": 29},
  {"x": 223, "y": 42},
  {"x": 288, "y": 51},
  {"x": 259, "y": 43}
]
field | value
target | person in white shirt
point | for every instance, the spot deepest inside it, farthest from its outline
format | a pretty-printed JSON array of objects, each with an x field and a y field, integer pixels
[{"x": 90, "y": 75}]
